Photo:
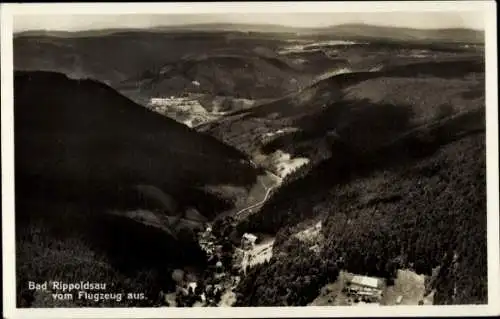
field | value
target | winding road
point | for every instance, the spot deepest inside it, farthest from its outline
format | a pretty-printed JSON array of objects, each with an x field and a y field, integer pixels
[
  {"x": 239, "y": 213},
  {"x": 268, "y": 191}
]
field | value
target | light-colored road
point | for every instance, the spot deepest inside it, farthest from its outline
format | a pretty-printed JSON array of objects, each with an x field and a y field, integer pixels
[
  {"x": 246, "y": 209},
  {"x": 238, "y": 213}
]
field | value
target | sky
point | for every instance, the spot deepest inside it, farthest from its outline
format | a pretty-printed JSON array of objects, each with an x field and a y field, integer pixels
[{"x": 422, "y": 20}]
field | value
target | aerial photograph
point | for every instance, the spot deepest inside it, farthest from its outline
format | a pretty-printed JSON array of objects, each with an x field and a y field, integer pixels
[{"x": 250, "y": 160}]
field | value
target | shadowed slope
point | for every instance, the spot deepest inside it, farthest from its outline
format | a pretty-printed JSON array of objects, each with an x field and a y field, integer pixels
[{"x": 79, "y": 136}]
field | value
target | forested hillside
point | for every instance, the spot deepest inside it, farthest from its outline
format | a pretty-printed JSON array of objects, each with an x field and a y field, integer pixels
[
  {"x": 404, "y": 188},
  {"x": 366, "y": 108},
  {"x": 422, "y": 216}
]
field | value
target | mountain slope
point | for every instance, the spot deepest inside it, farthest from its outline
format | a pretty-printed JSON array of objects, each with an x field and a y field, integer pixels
[
  {"x": 420, "y": 215},
  {"x": 250, "y": 74},
  {"x": 95, "y": 136},
  {"x": 404, "y": 186},
  {"x": 366, "y": 109},
  {"x": 85, "y": 159}
]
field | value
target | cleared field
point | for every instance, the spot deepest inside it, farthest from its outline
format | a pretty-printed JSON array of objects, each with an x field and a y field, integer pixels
[
  {"x": 409, "y": 287},
  {"x": 258, "y": 192},
  {"x": 310, "y": 234},
  {"x": 259, "y": 254},
  {"x": 331, "y": 294}
]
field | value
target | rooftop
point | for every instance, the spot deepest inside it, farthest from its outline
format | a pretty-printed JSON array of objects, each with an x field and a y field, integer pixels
[
  {"x": 365, "y": 281},
  {"x": 249, "y": 236}
]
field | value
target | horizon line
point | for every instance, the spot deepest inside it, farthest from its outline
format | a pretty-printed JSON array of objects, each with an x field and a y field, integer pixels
[{"x": 256, "y": 24}]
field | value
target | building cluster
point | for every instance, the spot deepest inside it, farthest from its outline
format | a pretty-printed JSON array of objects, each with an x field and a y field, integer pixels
[
  {"x": 191, "y": 294},
  {"x": 365, "y": 289},
  {"x": 163, "y": 104},
  {"x": 206, "y": 241},
  {"x": 216, "y": 282},
  {"x": 218, "y": 279},
  {"x": 241, "y": 254}
]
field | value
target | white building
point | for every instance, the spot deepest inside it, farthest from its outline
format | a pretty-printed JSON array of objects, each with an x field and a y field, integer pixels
[
  {"x": 365, "y": 288},
  {"x": 192, "y": 285},
  {"x": 363, "y": 281},
  {"x": 248, "y": 241}
]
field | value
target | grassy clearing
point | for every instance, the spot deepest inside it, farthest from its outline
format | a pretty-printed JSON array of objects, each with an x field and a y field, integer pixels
[
  {"x": 410, "y": 286},
  {"x": 310, "y": 234},
  {"x": 259, "y": 254}
]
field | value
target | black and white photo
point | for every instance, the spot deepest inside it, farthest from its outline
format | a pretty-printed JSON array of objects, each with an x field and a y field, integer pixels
[{"x": 193, "y": 162}]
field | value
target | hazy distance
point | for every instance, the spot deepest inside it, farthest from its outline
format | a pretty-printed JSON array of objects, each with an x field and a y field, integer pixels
[{"x": 418, "y": 20}]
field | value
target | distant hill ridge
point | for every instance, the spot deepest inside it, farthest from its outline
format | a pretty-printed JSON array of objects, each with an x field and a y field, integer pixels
[{"x": 342, "y": 30}]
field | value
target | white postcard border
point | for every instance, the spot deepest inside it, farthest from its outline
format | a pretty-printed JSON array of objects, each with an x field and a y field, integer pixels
[{"x": 7, "y": 13}]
